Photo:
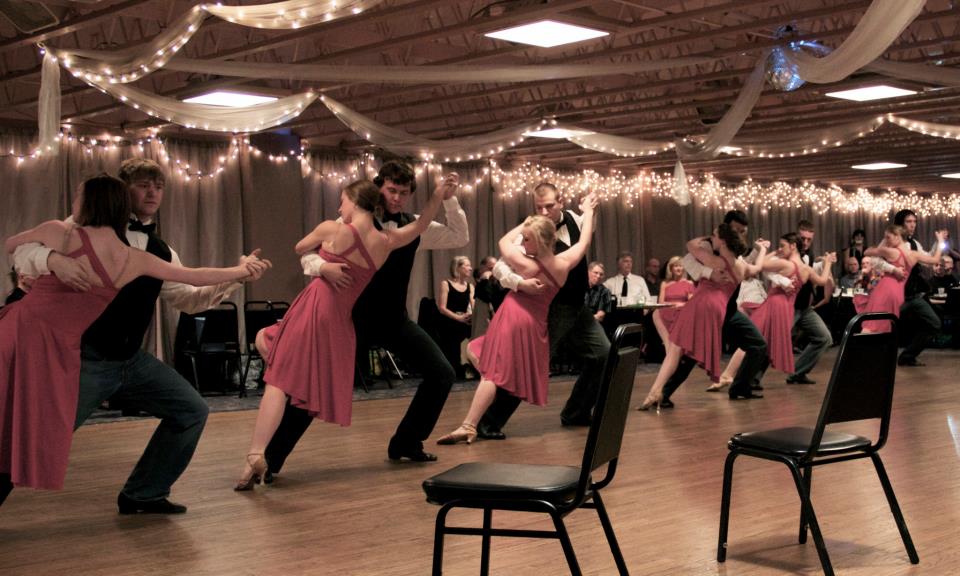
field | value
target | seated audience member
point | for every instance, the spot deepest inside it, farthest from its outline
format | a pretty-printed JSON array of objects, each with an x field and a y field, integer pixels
[
  {"x": 652, "y": 275},
  {"x": 849, "y": 280},
  {"x": 22, "y": 284},
  {"x": 626, "y": 286},
  {"x": 597, "y": 298},
  {"x": 855, "y": 248},
  {"x": 488, "y": 295},
  {"x": 455, "y": 304},
  {"x": 675, "y": 289},
  {"x": 943, "y": 278}
]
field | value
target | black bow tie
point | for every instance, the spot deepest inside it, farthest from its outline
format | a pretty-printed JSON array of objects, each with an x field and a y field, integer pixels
[
  {"x": 395, "y": 217},
  {"x": 138, "y": 226}
]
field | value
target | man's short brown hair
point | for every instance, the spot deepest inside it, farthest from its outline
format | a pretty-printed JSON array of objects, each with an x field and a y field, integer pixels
[{"x": 133, "y": 169}]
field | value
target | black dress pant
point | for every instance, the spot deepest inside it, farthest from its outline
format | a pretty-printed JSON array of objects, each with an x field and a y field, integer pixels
[
  {"x": 418, "y": 350},
  {"x": 919, "y": 317},
  {"x": 738, "y": 332}
]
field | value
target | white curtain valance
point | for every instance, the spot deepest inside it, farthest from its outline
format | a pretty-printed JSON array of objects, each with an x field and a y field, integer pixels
[
  {"x": 451, "y": 150},
  {"x": 207, "y": 117},
  {"x": 880, "y": 26}
]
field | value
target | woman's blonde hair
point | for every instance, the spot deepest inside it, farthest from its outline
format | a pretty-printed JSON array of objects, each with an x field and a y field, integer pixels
[
  {"x": 669, "y": 269},
  {"x": 544, "y": 230},
  {"x": 455, "y": 263}
]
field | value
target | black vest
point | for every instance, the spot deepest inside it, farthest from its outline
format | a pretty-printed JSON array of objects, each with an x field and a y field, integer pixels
[
  {"x": 383, "y": 303},
  {"x": 916, "y": 284},
  {"x": 118, "y": 333},
  {"x": 574, "y": 289},
  {"x": 805, "y": 293}
]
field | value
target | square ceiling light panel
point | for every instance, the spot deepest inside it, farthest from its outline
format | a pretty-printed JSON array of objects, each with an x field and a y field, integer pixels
[
  {"x": 547, "y": 34},
  {"x": 878, "y": 166},
  {"x": 230, "y": 99},
  {"x": 878, "y": 92}
]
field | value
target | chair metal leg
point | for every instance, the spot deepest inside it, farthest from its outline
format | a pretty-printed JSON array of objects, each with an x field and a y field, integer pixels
[
  {"x": 243, "y": 376},
  {"x": 196, "y": 376},
  {"x": 725, "y": 505},
  {"x": 439, "y": 531},
  {"x": 807, "y": 479},
  {"x": 485, "y": 542},
  {"x": 811, "y": 518},
  {"x": 895, "y": 509},
  {"x": 393, "y": 364},
  {"x": 565, "y": 542},
  {"x": 611, "y": 537}
]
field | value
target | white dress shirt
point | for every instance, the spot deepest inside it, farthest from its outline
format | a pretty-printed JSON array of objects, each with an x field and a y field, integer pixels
[{"x": 637, "y": 290}]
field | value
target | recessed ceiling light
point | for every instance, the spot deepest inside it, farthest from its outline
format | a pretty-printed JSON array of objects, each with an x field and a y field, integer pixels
[
  {"x": 878, "y": 166},
  {"x": 546, "y": 34},
  {"x": 558, "y": 133},
  {"x": 230, "y": 99},
  {"x": 877, "y": 92},
  {"x": 953, "y": 175}
]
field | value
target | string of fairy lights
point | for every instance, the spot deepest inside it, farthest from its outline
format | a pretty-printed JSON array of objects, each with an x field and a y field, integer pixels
[{"x": 617, "y": 186}]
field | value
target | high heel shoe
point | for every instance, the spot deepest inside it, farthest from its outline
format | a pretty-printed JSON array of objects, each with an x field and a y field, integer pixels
[
  {"x": 650, "y": 402},
  {"x": 465, "y": 433},
  {"x": 258, "y": 469},
  {"x": 718, "y": 386}
]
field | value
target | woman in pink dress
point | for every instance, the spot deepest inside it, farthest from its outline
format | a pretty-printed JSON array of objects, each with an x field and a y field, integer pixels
[
  {"x": 887, "y": 295},
  {"x": 309, "y": 354},
  {"x": 40, "y": 334},
  {"x": 675, "y": 289},
  {"x": 774, "y": 318},
  {"x": 514, "y": 354},
  {"x": 698, "y": 328}
]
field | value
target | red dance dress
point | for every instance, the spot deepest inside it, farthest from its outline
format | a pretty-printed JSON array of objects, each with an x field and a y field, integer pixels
[
  {"x": 774, "y": 320},
  {"x": 312, "y": 350},
  {"x": 887, "y": 296},
  {"x": 40, "y": 378},
  {"x": 699, "y": 326},
  {"x": 515, "y": 352},
  {"x": 677, "y": 292}
]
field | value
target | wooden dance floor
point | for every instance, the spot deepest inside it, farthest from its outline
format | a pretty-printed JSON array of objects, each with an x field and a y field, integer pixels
[{"x": 341, "y": 507}]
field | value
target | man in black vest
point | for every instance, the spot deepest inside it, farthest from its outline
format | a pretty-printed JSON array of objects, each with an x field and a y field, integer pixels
[
  {"x": 915, "y": 312},
  {"x": 738, "y": 330},
  {"x": 380, "y": 318},
  {"x": 112, "y": 361},
  {"x": 568, "y": 321},
  {"x": 807, "y": 324}
]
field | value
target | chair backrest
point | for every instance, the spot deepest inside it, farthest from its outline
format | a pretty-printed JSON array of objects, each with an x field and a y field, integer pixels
[
  {"x": 217, "y": 328},
  {"x": 861, "y": 385},
  {"x": 613, "y": 405},
  {"x": 258, "y": 314}
]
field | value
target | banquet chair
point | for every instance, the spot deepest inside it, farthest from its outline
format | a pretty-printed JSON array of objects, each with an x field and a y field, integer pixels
[
  {"x": 211, "y": 337},
  {"x": 860, "y": 388},
  {"x": 549, "y": 489}
]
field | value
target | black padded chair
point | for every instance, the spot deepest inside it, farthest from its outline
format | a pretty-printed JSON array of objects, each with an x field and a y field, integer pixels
[
  {"x": 553, "y": 490},
  {"x": 257, "y": 314},
  {"x": 860, "y": 388},
  {"x": 211, "y": 340}
]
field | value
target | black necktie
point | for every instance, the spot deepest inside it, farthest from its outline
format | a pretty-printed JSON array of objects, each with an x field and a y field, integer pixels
[
  {"x": 623, "y": 291},
  {"x": 138, "y": 226},
  {"x": 913, "y": 243}
]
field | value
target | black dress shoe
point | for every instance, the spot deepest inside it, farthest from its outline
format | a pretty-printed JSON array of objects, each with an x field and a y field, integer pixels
[
  {"x": 413, "y": 453},
  {"x": 488, "y": 433},
  {"x": 800, "y": 379},
  {"x": 756, "y": 387},
  {"x": 909, "y": 362},
  {"x": 128, "y": 505},
  {"x": 666, "y": 403},
  {"x": 6, "y": 486},
  {"x": 743, "y": 394},
  {"x": 268, "y": 477},
  {"x": 581, "y": 421}
]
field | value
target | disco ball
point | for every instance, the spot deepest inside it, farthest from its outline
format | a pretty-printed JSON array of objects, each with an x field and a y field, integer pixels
[{"x": 782, "y": 74}]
